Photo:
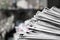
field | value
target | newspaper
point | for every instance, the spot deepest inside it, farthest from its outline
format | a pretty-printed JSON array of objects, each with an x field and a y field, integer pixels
[{"x": 44, "y": 25}]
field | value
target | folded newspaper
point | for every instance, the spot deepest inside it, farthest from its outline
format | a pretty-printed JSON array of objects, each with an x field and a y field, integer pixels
[{"x": 44, "y": 25}]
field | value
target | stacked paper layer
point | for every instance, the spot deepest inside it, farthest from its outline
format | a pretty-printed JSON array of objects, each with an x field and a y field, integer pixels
[{"x": 45, "y": 25}]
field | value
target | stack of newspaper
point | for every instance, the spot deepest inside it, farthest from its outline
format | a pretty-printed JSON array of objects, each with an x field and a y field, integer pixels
[{"x": 44, "y": 25}]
